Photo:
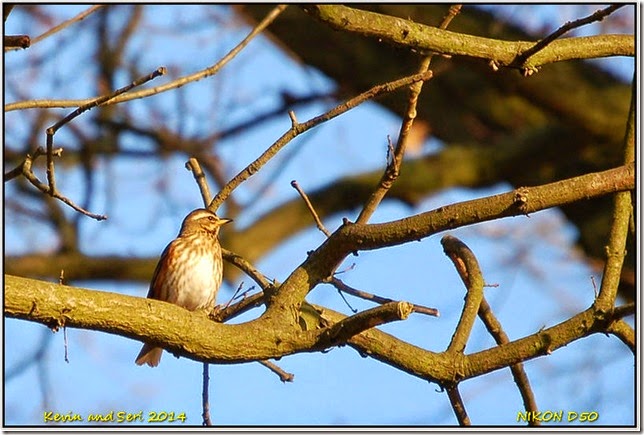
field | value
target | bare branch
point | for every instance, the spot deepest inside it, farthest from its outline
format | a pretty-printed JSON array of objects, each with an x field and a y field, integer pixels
[
  {"x": 624, "y": 332},
  {"x": 468, "y": 268},
  {"x": 47, "y": 303},
  {"x": 622, "y": 217},
  {"x": 597, "y": 16},
  {"x": 31, "y": 177},
  {"x": 14, "y": 42},
  {"x": 193, "y": 166},
  {"x": 407, "y": 34},
  {"x": 393, "y": 167},
  {"x": 51, "y": 152},
  {"x": 100, "y": 100},
  {"x": 412, "y": 228},
  {"x": 495, "y": 329},
  {"x": 205, "y": 401},
  {"x": 66, "y": 23},
  {"x": 51, "y": 131},
  {"x": 316, "y": 218},
  {"x": 342, "y": 331},
  {"x": 212, "y": 70},
  {"x": 297, "y": 129},
  {"x": 458, "y": 406},
  {"x": 284, "y": 376},
  {"x": 341, "y": 286},
  {"x": 53, "y": 30}
]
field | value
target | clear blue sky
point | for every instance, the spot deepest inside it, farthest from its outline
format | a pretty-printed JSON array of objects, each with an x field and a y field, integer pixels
[{"x": 540, "y": 281}]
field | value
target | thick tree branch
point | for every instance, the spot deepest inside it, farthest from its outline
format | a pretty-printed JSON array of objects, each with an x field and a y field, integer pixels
[
  {"x": 623, "y": 331},
  {"x": 355, "y": 237},
  {"x": 411, "y": 35},
  {"x": 447, "y": 368},
  {"x": 193, "y": 335},
  {"x": 182, "y": 332}
]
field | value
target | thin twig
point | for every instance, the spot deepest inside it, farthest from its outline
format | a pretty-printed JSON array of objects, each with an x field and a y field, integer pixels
[
  {"x": 20, "y": 169},
  {"x": 458, "y": 406},
  {"x": 205, "y": 401},
  {"x": 395, "y": 158},
  {"x": 316, "y": 218},
  {"x": 239, "y": 308},
  {"x": 622, "y": 214},
  {"x": 495, "y": 329},
  {"x": 543, "y": 43},
  {"x": 102, "y": 99},
  {"x": 61, "y": 281},
  {"x": 31, "y": 177},
  {"x": 341, "y": 286},
  {"x": 453, "y": 11},
  {"x": 245, "y": 266},
  {"x": 51, "y": 131},
  {"x": 212, "y": 70},
  {"x": 353, "y": 310},
  {"x": 468, "y": 268},
  {"x": 65, "y": 345},
  {"x": 284, "y": 376},
  {"x": 239, "y": 287},
  {"x": 66, "y": 23},
  {"x": 193, "y": 166},
  {"x": 297, "y": 129},
  {"x": 393, "y": 166}
]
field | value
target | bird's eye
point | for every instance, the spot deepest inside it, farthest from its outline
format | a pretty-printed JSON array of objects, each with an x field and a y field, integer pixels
[{"x": 211, "y": 218}]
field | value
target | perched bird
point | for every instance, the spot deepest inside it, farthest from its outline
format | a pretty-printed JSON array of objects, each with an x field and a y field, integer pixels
[{"x": 189, "y": 271}]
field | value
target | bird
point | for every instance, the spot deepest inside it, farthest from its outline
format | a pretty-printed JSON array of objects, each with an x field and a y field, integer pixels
[{"x": 189, "y": 271}]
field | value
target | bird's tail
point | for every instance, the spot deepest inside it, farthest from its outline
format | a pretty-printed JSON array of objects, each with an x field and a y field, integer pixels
[{"x": 149, "y": 355}]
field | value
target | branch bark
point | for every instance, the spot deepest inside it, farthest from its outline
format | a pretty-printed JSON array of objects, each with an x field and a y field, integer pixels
[
  {"x": 194, "y": 335},
  {"x": 419, "y": 37}
]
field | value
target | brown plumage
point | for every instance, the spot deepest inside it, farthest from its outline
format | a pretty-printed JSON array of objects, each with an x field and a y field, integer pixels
[{"x": 189, "y": 272}]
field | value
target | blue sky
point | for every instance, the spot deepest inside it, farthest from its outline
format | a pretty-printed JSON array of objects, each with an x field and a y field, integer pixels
[{"x": 540, "y": 281}]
